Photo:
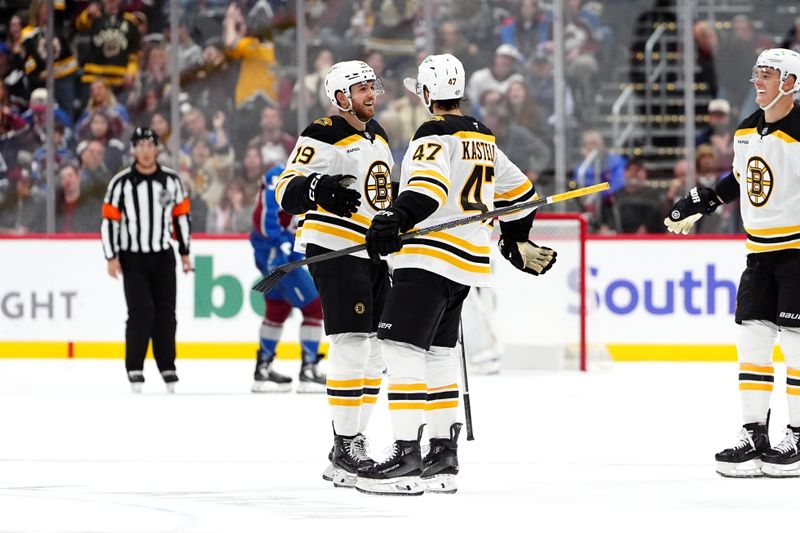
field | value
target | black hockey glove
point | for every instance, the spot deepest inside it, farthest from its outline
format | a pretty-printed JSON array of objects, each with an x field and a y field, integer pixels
[
  {"x": 383, "y": 235},
  {"x": 331, "y": 194},
  {"x": 528, "y": 256},
  {"x": 686, "y": 211}
]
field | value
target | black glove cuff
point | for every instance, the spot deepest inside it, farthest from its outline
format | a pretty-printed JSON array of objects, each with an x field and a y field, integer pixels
[
  {"x": 517, "y": 230},
  {"x": 727, "y": 189},
  {"x": 308, "y": 194}
]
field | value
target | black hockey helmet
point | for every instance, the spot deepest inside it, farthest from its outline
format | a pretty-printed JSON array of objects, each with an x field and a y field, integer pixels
[{"x": 144, "y": 133}]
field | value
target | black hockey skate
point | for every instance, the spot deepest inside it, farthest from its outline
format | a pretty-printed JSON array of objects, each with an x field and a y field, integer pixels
[
  {"x": 784, "y": 459},
  {"x": 743, "y": 459},
  {"x": 349, "y": 454},
  {"x": 136, "y": 379},
  {"x": 311, "y": 379},
  {"x": 267, "y": 380},
  {"x": 398, "y": 475},
  {"x": 440, "y": 464},
  {"x": 360, "y": 448},
  {"x": 170, "y": 378}
]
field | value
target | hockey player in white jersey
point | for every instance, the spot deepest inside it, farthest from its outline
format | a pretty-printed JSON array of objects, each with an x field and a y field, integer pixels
[
  {"x": 766, "y": 178},
  {"x": 452, "y": 169},
  {"x": 338, "y": 177}
]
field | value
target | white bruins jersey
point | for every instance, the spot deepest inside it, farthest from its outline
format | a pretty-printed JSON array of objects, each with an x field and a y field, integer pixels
[
  {"x": 332, "y": 146},
  {"x": 454, "y": 160},
  {"x": 767, "y": 165}
]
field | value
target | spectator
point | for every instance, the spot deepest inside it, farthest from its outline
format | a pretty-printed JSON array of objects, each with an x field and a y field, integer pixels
[
  {"x": 636, "y": 207},
  {"x": 99, "y": 128},
  {"x": 63, "y": 153},
  {"x": 196, "y": 128},
  {"x": 159, "y": 123},
  {"x": 95, "y": 173},
  {"x": 526, "y": 29},
  {"x": 677, "y": 186},
  {"x": 257, "y": 84},
  {"x": 741, "y": 48},
  {"x": 392, "y": 29},
  {"x": 274, "y": 145},
  {"x": 792, "y": 38},
  {"x": 499, "y": 76},
  {"x": 523, "y": 148},
  {"x": 36, "y": 114},
  {"x": 152, "y": 83},
  {"x": 707, "y": 42},
  {"x": 542, "y": 87},
  {"x": 113, "y": 50},
  {"x": 34, "y": 54},
  {"x": 102, "y": 99},
  {"x": 10, "y": 119},
  {"x": 401, "y": 119},
  {"x": 190, "y": 55},
  {"x": 199, "y": 208},
  {"x": 598, "y": 161},
  {"x": 212, "y": 84},
  {"x": 719, "y": 121},
  {"x": 524, "y": 111},
  {"x": 209, "y": 172},
  {"x": 707, "y": 175},
  {"x": 314, "y": 85},
  {"x": 452, "y": 41},
  {"x": 75, "y": 212},
  {"x": 22, "y": 209},
  {"x": 234, "y": 214},
  {"x": 253, "y": 170},
  {"x": 14, "y": 35}
]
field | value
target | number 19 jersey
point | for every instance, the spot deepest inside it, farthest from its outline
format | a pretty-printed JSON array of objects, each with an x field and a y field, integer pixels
[{"x": 454, "y": 160}]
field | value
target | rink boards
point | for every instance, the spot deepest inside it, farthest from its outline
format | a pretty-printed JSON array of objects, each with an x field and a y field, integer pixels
[{"x": 664, "y": 299}]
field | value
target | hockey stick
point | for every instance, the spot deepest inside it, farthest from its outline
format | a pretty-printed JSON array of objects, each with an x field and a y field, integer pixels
[
  {"x": 269, "y": 281},
  {"x": 467, "y": 406}
]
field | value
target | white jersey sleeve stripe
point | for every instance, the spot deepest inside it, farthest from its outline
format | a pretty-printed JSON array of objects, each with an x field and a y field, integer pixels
[
  {"x": 429, "y": 190},
  {"x": 427, "y": 172}
]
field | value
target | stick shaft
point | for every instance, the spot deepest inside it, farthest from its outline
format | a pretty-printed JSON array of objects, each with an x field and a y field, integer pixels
[
  {"x": 465, "y": 382},
  {"x": 533, "y": 204}
]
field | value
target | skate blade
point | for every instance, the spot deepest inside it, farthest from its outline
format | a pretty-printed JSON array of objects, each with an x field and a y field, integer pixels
[
  {"x": 342, "y": 479},
  {"x": 136, "y": 388},
  {"x": 776, "y": 470},
  {"x": 305, "y": 387},
  {"x": 170, "y": 388},
  {"x": 327, "y": 475},
  {"x": 270, "y": 386},
  {"x": 751, "y": 468},
  {"x": 441, "y": 484},
  {"x": 401, "y": 486}
]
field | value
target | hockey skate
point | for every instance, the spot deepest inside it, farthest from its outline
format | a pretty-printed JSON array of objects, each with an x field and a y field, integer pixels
[
  {"x": 136, "y": 379},
  {"x": 440, "y": 464},
  {"x": 170, "y": 379},
  {"x": 267, "y": 380},
  {"x": 398, "y": 475},
  {"x": 349, "y": 454},
  {"x": 784, "y": 459},
  {"x": 311, "y": 380},
  {"x": 327, "y": 475},
  {"x": 743, "y": 459}
]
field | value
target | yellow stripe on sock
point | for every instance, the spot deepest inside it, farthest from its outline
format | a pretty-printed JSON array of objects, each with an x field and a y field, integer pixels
[
  {"x": 756, "y": 368},
  {"x": 370, "y": 399},
  {"x": 345, "y": 402},
  {"x": 452, "y": 386},
  {"x": 794, "y": 391},
  {"x": 372, "y": 382},
  {"x": 756, "y": 386},
  {"x": 406, "y": 405},
  {"x": 432, "y": 406},
  {"x": 794, "y": 372},
  {"x": 408, "y": 386},
  {"x": 345, "y": 383}
]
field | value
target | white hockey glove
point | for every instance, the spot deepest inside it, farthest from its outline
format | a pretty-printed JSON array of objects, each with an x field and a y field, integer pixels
[
  {"x": 688, "y": 210},
  {"x": 528, "y": 256}
]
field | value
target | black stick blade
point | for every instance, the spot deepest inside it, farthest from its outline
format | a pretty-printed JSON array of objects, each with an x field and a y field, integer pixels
[{"x": 268, "y": 282}]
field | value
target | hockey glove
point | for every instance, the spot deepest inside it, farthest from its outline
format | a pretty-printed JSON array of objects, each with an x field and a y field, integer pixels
[
  {"x": 528, "y": 256},
  {"x": 383, "y": 236},
  {"x": 279, "y": 255},
  {"x": 331, "y": 194},
  {"x": 688, "y": 210}
]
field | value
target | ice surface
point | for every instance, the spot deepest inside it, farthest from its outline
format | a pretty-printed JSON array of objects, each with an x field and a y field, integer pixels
[{"x": 629, "y": 448}]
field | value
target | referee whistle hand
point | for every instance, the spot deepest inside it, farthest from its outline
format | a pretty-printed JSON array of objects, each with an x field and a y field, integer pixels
[
  {"x": 186, "y": 263},
  {"x": 114, "y": 268}
]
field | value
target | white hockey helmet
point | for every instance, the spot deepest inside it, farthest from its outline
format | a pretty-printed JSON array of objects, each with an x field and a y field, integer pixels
[
  {"x": 786, "y": 62},
  {"x": 345, "y": 74},
  {"x": 443, "y": 76}
]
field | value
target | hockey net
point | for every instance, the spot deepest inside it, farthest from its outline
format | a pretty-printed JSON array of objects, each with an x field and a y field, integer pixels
[{"x": 535, "y": 322}]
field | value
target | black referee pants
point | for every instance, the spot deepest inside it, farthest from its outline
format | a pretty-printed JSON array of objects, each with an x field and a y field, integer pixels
[{"x": 150, "y": 290}]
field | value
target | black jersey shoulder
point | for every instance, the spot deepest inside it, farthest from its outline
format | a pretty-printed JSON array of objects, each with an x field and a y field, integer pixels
[
  {"x": 752, "y": 121},
  {"x": 377, "y": 130},
  {"x": 450, "y": 125},
  {"x": 790, "y": 124},
  {"x": 329, "y": 130}
]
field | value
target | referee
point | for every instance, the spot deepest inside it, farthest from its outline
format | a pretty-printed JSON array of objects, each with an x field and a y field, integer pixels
[{"x": 143, "y": 207}]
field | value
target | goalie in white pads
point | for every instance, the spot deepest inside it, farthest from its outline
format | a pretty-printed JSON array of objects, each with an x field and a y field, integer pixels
[
  {"x": 766, "y": 177},
  {"x": 452, "y": 169},
  {"x": 338, "y": 177}
]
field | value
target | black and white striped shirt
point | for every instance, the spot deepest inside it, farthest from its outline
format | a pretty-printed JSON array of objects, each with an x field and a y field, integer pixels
[{"x": 140, "y": 213}]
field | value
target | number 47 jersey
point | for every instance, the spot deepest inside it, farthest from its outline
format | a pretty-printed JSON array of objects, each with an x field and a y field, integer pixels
[
  {"x": 454, "y": 160},
  {"x": 332, "y": 146}
]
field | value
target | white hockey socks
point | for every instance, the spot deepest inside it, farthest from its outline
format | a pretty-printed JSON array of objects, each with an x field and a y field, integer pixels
[
  {"x": 373, "y": 376},
  {"x": 756, "y": 373},
  {"x": 407, "y": 389},
  {"x": 441, "y": 375},
  {"x": 347, "y": 360},
  {"x": 790, "y": 344}
]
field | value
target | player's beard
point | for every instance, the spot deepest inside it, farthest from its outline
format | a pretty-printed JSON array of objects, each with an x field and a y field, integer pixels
[{"x": 364, "y": 113}]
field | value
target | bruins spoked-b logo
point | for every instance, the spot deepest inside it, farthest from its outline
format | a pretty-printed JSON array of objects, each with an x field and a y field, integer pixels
[
  {"x": 759, "y": 181},
  {"x": 378, "y": 185}
]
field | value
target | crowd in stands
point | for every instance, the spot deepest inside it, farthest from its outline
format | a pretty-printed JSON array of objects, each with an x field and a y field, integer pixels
[{"x": 239, "y": 93}]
